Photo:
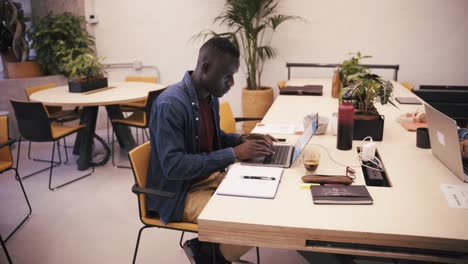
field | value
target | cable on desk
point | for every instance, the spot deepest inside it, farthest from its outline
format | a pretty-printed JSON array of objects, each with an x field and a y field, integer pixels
[{"x": 331, "y": 158}]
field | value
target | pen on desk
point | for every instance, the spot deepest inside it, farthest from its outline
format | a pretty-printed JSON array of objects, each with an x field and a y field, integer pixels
[{"x": 259, "y": 178}]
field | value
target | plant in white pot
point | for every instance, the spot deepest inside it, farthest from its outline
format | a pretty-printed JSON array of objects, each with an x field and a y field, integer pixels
[{"x": 251, "y": 24}]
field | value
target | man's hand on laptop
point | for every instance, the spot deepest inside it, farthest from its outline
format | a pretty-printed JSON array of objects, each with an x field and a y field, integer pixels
[
  {"x": 268, "y": 138},
  {"x": 464, "y": 148},
  {"x": 253, "y": 148}
]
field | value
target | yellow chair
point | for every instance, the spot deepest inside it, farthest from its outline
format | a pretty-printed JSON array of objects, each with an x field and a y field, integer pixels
[
  {"x": 139, "y": 160},
  {"x": 281, "y": 84},
  {"x": 139, "y": 103},
  {"x": 228, "y": 121},
  {"x": 6, "y": 164},
  {"x": 35, "y": 124},
  {"x": 408, "y": 85},
  {"x": 55, "y": 112},
  {"x": 130, "y": 107},
  {"x": 138, "y": 119}
]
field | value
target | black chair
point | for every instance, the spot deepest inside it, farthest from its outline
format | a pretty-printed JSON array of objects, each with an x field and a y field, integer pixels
[
  {"x": 36, "y": 125},
  {"x": 2, "y": 243},
  {"x": 56, "y": 112},
  {"x": 138, "y": 119},
  {"x": 6, "y": 164}
]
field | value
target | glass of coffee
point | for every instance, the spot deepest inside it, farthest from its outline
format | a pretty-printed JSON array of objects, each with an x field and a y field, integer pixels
[{"x": 311, "y": 161}]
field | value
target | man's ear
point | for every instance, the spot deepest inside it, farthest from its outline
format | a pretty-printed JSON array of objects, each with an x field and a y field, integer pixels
[{"x": 205, "y": 67}]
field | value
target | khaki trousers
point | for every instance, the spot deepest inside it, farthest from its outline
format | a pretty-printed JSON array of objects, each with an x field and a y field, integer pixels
[{"x": 197, "y": 197}]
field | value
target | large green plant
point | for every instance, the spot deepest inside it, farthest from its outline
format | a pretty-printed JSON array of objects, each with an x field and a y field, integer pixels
[
  {"x": 13, "y": 30},
  {"x": 56, "y": 38},
  {"x": 251, "y": 26}
]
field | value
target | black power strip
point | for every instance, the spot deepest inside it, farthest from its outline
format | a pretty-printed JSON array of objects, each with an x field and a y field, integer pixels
[{"x": 374, "y": 176}]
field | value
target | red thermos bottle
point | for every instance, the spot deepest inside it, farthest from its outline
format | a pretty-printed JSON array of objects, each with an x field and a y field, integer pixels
[{"x": 345, "y": 124}]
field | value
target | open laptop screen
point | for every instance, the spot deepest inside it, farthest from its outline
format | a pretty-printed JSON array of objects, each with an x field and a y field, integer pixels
[{"x": 309, "y": 131}]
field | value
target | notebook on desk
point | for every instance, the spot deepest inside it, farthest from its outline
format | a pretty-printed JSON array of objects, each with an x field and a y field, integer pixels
[
  {"x": 285, "y": 154},
  {"x": 254, "y": 182},
  {"x": 443, "y": 135}
]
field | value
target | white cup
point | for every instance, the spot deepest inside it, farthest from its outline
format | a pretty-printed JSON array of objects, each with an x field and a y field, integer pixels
[{"x": 334, "y": 123}]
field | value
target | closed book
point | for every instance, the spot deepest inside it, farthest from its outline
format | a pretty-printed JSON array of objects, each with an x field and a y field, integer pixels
[
  {"x": 354, "y": 194},
  {"x": 302, "y": 90}
]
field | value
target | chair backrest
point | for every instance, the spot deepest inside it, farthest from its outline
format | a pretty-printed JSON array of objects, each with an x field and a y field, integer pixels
[
  {"x": 33, "y": 121},
  {"x": 35, "y": 89},
  {"x": 139, "y": 160},
  {"x": 5, "y": 152},
  {"x": 408, "y": 85},
  {"x": 148, "y": 79},
  {"x": 281, "y": 84},
  {"x": 227, "y": 120},
  {"x": 150, "y": 100}
]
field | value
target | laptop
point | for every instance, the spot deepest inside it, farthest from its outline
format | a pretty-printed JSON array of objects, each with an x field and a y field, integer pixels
[
  {"x": 443, "y": 134},
  {"x": 285, "y": 154}
]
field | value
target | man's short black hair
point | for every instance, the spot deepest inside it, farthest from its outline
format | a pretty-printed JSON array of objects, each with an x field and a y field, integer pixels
[{"x": 222, "y": 45}]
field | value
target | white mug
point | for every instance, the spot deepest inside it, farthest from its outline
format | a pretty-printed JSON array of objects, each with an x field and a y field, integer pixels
[{"x": 334, "y": 123}]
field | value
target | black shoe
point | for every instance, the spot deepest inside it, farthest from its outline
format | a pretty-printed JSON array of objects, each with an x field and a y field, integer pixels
[{"x": 201, "y": 252}]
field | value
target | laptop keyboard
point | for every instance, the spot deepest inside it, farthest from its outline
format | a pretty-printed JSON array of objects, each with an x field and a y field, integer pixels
[
  {"x": 465, "y": 166},
  {"x": 279, "y": 157}
]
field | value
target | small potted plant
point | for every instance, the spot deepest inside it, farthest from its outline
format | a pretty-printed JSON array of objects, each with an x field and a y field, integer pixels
[
  {"x": 367, "y": 89},
  {"x": 86, "y": 73},
  {"x": 351, "y": 67},
  {"x": 251, "y": 25},
  {"x": 14, "y": 47}
]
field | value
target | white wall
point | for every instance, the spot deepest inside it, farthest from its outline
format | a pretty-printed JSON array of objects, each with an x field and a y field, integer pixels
[{"x": 428, "y": 38}]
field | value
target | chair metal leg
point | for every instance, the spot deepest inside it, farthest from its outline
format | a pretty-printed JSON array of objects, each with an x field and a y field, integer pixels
[
  {"x": 65, "y": 149},
  {"x": 181, "y": 238},
  {"x": 258, "y": 255},
  {"x": 147, "y": 136},
  {"x": 55, "y": 163},
  {"x": 138, "y": 243},
  {"x": 5, "y": 250},
  {"x": 29, "y": 150},
  {"x": 213, "y": 253},
  {"x": 113, "y": 157},
  {"x": 66, "y": 183},
  {"x": 113, "y": 153},
  {"x": 136, "y": 133},
  {"x": 27, "y": 201}
]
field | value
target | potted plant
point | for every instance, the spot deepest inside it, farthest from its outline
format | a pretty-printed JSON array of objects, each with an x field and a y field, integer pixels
[
  {"x": 351, "y": 67},
  {"x": 251, "y": 26},
  {"x": 13, "y": 44},
  {"x": 86, "y": 73},
  {"x": 366, "y": 89},
  {"x": 56, "y": 37}
]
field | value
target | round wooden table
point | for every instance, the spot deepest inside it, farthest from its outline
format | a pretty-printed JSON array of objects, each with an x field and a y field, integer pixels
[{"x": 110, "y": 97}]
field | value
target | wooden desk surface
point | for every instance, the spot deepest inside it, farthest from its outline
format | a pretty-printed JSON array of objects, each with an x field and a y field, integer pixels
[
  {"x": 123, "y": 92},
  {"x": 412, "y": 213}
]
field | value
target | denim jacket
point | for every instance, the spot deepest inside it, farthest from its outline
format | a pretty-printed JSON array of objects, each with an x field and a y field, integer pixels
[
  {"x": 175, "y": 151},
  {"x": 463, "y": 133}
]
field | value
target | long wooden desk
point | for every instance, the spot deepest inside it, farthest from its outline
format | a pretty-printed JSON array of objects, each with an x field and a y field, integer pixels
[{"x": 410, "y": 220}]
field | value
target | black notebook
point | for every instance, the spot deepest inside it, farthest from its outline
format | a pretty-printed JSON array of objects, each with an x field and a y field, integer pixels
[
  {"x": 353, "y": 194},
  {"x": 302, "y": 90},
  {"x": 408, "y": 100}
]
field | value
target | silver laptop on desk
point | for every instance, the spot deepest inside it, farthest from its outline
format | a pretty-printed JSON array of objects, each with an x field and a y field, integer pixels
[
  {"x": 285, "y": 154},
  {"x": 443, "y": 134}
]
